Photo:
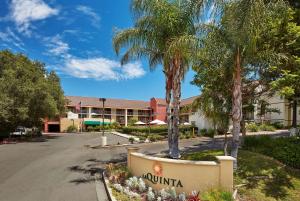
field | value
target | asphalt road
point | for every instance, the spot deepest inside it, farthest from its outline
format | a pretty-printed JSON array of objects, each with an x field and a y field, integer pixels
[{"x": 60, "y": 169}]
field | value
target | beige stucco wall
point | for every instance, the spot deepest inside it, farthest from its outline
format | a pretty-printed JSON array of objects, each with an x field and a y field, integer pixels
[
  {"x": 286, "y": 111},
  {"x": 65, "y": 123},
  {"x": 193, "y": 175},
  {"x": 200, "y": 121}
]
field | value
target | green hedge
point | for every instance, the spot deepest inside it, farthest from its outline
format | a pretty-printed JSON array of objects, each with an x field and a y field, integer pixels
[
  {"x": 161, "y": 130},
  {"x": 4, "y": 134},
  {"x": 284, "y": 149},
  {"x": 253, "y": 127}
]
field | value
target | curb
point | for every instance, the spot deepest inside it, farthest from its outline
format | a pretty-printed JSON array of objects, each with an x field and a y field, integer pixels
[
  {"x": 125, "y": 136},
  {"x": 108, "y": 146},
  {"x": 107, "y": 188}
]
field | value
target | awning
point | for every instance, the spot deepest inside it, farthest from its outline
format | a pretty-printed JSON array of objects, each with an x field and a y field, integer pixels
[{"x": 95, "y": 123}]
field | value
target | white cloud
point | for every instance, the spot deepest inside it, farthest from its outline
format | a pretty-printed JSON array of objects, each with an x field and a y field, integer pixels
[
  {"x": 91, "y": 13},
  {"x": 57, "y": 47},
  {"x": 102, "y": 69},
  {"x": 98, "y": 68},
  {"x": 23, "y": 12},
  {"x": 8, "y": 36}
]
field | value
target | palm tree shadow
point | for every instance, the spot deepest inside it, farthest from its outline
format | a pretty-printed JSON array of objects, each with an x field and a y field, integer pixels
[
  {"x": 274, "y": 178},
  {"x": 278, "y": 183},
  {"x": 94, "y": 166}
]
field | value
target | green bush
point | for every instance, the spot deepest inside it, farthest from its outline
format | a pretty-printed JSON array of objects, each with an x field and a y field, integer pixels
[
  {"x": 152, "y": 138},
  {"x": 266, "y": 127},
  {"x": 90, "y": 128},
  {"x": 131, "y": 140},
  {"x": 284, "y": 149},
  {"x": 210, "y": 133},
  {"x": 71, "y": 129},
  {"x": 160, "y": 130},
  {"x": 252, "y": 127},
  {"x": 278, "y": 125},
  {"x": 203, "y": 131},
  {"x": 4, "y": 134},
  {"x": 216, "y": 195},
  {"x": 115, "y": 125}
]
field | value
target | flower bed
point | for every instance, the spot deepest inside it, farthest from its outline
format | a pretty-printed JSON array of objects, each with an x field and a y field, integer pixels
[{"x": 126, "y": 187}]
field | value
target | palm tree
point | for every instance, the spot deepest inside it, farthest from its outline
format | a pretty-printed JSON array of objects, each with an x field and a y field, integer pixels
[
  {"x": 239, "y": 38},
  {"x": 163, "y": 33}
]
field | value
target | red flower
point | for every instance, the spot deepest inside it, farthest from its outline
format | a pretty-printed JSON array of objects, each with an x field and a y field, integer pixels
[{"x": 194, "y": 197}]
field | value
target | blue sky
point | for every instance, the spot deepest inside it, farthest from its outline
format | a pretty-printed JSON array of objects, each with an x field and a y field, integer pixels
[{"x": 74, "y": 38}]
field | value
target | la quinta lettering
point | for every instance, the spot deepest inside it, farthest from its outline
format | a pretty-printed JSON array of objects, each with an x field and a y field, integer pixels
[{"x": 162, "y": 180}]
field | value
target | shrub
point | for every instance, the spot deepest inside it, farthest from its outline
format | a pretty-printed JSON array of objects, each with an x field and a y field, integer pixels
[
  {"x": 266, "y": 127},
  {"x": 160, "y": 130},
  {"x": 203, "y": 131},
  {"x": 115, "y": 125},
  {"x": 278, "y": 125},
  {"x": 4, "y": 134},
  {"x": 216, "y": 195},
  {"x": 71, "y": 129},
  {"x": 284, "y": 149},
  {"x": 90, "y": 128},
  {"x": 152, "y": 138},
  {"x": 252, "y": 127},
  {"x": 210, "y": 133},
  {"x": 188, "y": 136},
  {"x": 131, "y": 140}
]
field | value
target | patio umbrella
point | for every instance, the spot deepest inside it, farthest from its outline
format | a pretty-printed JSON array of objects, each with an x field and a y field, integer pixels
[
  {"x": 158, "y": 122},
  {"x": 186, "y": 124},
  {"x": 139, "y": 123}
]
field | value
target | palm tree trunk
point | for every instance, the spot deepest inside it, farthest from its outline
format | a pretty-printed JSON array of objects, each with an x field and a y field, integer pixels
[
  {"x": 176, "y": 104},
  {"x": 168, "y": 108},
  {"x": 236, "y": 107}
]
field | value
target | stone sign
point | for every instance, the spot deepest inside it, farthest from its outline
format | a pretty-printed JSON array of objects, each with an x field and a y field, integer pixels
[{"x": 184, "y": 175}]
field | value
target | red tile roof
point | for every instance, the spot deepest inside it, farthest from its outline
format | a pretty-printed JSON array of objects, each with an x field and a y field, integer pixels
[
  {"x": 186, "y": 101},
  {"x": 121, "y": 103},
  {"x": 109, "y": 103}
]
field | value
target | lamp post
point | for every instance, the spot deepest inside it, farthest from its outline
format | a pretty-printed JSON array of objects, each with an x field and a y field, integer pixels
[{"x": 104, "y": 140}]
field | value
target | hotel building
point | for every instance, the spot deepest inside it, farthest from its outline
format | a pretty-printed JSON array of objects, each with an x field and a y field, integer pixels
[{"x": 118, "y": 110}]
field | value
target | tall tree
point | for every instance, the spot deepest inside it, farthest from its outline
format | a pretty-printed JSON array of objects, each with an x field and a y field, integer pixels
[
  {"x": 237, "y": 39},
  {"x": 286, "y": 40},
  {"x": 163, "y": 32},
  {"x": 28, "y": 92}
]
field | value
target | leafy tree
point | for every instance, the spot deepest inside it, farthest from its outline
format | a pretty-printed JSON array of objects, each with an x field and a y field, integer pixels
[
  {"x": 28, "y": 92},
  {"x": 286, "y": 39},
  {"x": 237, "y": 39},
  {"x": 132, "y": 121},
  {"x": 163, "y": 33}
]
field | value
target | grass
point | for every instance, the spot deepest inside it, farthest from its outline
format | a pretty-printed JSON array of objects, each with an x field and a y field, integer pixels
[{"x": 259, "y": 177}]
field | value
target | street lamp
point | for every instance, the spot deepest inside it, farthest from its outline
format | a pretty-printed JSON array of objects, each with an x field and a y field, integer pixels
[
  {"x": 103, "y": 138},
  {"x": 103, "y": 101}
]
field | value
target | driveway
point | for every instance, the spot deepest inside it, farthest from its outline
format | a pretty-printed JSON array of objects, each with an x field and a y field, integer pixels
[
  {"x": 63, "y": 168},
  {"x": 60, "y": 169}
]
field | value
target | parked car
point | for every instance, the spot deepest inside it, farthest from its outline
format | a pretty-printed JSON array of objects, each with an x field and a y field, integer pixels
[{"x": 21, "y": 130}]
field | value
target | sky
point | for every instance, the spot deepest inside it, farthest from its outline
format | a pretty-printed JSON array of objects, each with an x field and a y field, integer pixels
[{"x": 74, "y": 38}]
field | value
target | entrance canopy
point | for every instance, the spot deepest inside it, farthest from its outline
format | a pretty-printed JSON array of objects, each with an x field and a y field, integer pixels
[{"x": 95, "y": 123}]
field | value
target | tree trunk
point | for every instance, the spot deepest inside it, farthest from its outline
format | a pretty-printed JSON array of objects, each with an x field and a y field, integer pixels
[
  {"x": 176, "y": 105},
  {"x": 294, "y": 123},
  {"x": 243, "y": 125},
  {"x": 236, "y": 107},
  {"x": 169, "y": 114},
  {"x": 225, "y": 145}
]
